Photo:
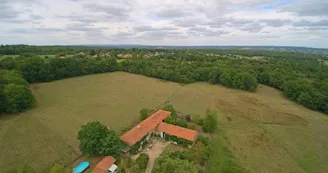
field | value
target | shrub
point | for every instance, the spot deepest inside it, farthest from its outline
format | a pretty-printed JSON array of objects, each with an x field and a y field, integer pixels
[
  {"x": 188, "y": 118},
  {"x": 135, "y": 148},
  {"x": 129, "y": 162},
  {"x": 170, "y": 120},
  {"x": 136, "y": 169},
  {"x": 182, "y": 123},
  {"x": 198, "y": 120},
  {"x": 57, "y": 168},
  {"x": 170, "y": 108},
  {"x": 177, "y": 155},
  {"x": 192, "y": 126},
  {"x": 203, "y": 140},
  {"x": 210, "y": 122},
  {"x": 142, "y": 161}
]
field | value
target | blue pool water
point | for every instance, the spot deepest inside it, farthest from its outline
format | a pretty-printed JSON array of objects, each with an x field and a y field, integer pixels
[{"x": 81, "y": 167}]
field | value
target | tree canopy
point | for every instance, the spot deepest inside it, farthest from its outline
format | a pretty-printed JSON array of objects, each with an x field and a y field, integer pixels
[
  {"x": 230, "y": 67},
  {"x": 96, "y": 139}
]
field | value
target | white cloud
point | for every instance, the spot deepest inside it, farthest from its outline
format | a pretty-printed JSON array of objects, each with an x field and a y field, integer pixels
[{"x": 160, "y": 22}]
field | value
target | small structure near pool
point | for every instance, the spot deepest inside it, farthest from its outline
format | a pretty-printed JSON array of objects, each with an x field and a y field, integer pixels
[
  {"x": 106, "y": 165},
  {"x": 155, "y": 125},
  {"x": 81, "y": 167}
]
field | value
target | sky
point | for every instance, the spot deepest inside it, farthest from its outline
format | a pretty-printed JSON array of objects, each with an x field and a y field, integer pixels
[{"x": 165, "y": 22}]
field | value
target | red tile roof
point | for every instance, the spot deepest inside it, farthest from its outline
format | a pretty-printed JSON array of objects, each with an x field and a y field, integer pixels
[
  {"x": 104, "y": 164},
  {"x": 138, "y": 132},
  {"x": 178, "y": 131}
]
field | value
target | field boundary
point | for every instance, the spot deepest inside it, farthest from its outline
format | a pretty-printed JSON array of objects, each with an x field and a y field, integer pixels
[{"x": 55, "y": 133}]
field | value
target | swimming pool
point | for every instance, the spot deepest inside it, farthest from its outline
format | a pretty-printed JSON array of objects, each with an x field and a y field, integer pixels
[{"x": 81, "y": 167}]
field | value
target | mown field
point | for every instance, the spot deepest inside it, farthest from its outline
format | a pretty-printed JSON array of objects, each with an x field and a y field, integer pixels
[{"x": 264, "y": 131}]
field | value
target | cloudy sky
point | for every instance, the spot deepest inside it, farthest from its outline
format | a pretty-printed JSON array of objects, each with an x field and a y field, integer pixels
[{"x": 165, "y": 22}]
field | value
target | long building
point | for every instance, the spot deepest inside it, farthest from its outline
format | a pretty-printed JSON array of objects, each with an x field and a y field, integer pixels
[{"x": 155, "y": 125}]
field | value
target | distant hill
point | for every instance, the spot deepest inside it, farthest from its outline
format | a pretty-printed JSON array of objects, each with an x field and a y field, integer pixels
[{"x": 271, "y": 48}]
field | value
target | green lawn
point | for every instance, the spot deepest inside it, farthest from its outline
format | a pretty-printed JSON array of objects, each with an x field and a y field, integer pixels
[{"x": 263, "y": 131}]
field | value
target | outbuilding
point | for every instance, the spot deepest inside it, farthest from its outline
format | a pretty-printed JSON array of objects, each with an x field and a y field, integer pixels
[{"x": 106, "y": 165}]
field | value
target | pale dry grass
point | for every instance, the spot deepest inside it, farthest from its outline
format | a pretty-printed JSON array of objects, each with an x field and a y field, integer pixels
[
  {"x": 113, "y": 99},
  {"x": 27, "y": 141},
  {"x": 50, "y": 129},
  {"x": 263, "y": 130}
]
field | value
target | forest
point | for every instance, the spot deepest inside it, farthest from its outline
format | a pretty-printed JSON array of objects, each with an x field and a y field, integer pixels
[{"x": 303, "y": 78}]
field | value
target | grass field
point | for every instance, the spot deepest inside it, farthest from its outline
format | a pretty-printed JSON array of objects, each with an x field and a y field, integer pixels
[{"x": 264, "y": 131}]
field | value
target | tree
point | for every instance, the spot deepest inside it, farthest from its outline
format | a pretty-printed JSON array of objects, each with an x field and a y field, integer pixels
[
  {"x": 12, "y": 76},
  {"x": 264, "y": 77},
  {"x": 277, "y": 80},
  {"x": 244, "y": 81},
  {"x": 144, "y": 113},
  {"x": 169, "y": 107},
  {"x": 238, "y": 81},
  {"x": 250, "y": 82},
  {"x": 32, "y": 69},
  {"x": 110, "y": 145},
  {"x": 142, "y": 161},
  {"x": 91, "y": 136},
  {"x": 57, "y": 168},
  {"x": 226, "y": 79},
  {"x": 292, "y": 89},
  {"x": 17, "y": 98},
  {"x": 92, "y": 52},
  {"x": 210, "y": 122},
  {"x": 2, "y": 100},
  {"x": 8, "y": 63},
  {"x": 214, "y": 77},
  {"x": 182, "y": 123}
]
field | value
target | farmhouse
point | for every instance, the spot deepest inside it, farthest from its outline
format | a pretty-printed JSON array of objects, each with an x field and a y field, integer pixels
[
  {"x": 155, "y": 125},
  {"x": 106, "y": 165}
]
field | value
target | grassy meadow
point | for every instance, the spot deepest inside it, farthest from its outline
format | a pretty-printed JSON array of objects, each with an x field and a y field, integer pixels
[{"x": 263, "y": 131}]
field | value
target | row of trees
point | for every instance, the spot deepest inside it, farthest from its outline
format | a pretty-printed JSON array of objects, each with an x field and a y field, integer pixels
[
  {"x": 187, "y": 66},
  {"x": 14, "y": 92},
  {"x": 39, "y": 50},
  {"x": 244, "y": 74},
  {"x": 190, "y": 72},
  {"x": 37, "y": 69}
]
